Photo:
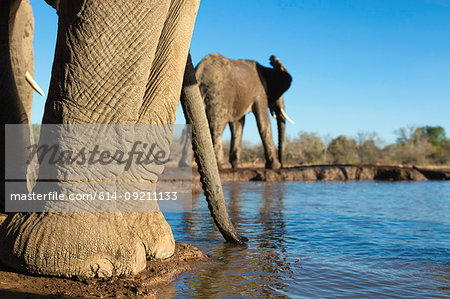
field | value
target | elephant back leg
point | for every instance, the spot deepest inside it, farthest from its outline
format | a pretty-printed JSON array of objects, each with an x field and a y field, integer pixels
[
  {"x": 236, "y": 129},
  {"x": 218, "y": 117},
  {"x": 217, "y": 127},
  {"x": 265, "y": 131}
]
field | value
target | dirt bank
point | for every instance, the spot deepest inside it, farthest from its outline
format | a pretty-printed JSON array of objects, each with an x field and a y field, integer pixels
[
  {"x": 144, "y": 285},
  {"x": 330, "y": 173}
]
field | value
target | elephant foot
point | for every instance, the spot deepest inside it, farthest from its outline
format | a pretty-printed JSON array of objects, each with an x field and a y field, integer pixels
[
  {"x": 82, "y": 245},
  {"x": 273, "y": 164},
  {"x": 154, "y": 232}
]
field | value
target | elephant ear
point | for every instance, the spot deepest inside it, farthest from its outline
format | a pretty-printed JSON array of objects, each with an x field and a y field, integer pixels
[
  {"x": 53, "y": 3},
  {"x": 277, "y": 80}
]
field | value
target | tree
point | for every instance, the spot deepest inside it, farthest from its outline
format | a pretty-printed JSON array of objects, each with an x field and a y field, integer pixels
[
  {"x": 307, "y": 148},
  {"x": 369, "y": 152},
  {"x": 293, "y": 153},
  {"x": 413, "y": 146},
  {"x": 444, "y": 156},
  {"x": 252, "y": 153},
  {"x": 312, "y": 146},
  {"x": 343, "y": 150},
  {"x": 368, "y": 149},
  {"x": 435, "y": 135},
  {"x": 390, "y": 154}
]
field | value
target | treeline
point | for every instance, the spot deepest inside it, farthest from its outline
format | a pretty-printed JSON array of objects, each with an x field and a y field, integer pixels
[{"x": 414, "y": 145}]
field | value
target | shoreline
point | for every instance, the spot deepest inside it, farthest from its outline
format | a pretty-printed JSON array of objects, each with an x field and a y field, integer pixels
[
  {"x": 329, "y": 173},
  {"x": 346, "y": 172}
]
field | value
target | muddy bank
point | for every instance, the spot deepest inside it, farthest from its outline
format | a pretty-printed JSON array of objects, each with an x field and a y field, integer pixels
[
  {"x": 330, "y": 173},
  {"x": 144, "y": 285}
]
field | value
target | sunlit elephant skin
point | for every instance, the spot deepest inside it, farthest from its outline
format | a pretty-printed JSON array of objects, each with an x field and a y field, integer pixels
[
  {"x": 126, "y": 71},
  {"x": 233, "y": 88}
]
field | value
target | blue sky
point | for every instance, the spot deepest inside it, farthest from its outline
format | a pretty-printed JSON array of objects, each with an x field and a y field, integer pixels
[{"x": 357, "y": 65}]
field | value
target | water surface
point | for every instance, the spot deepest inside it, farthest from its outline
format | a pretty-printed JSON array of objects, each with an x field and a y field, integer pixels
[{"x": 321, "y": 239}]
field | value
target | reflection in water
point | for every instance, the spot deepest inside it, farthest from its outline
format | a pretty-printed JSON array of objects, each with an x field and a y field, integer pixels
[
  {"x": 272, "y": 239},
  {"x": 189, "y": 219},
  {"x": 271, "y": 216},
  {"x": 214, "y": 278},
  {"x": 322, "y": 239}
]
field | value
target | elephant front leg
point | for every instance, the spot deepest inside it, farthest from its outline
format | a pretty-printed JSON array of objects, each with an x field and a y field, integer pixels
[
  {"x": 263, "y": 122},
  {"x": 159, "y": 106},
  {"x": 99, "y": 76},
  {"x": 236, "y": 142}
]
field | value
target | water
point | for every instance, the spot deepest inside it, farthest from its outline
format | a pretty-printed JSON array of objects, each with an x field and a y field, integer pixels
[{"x": 357, "y": 239}]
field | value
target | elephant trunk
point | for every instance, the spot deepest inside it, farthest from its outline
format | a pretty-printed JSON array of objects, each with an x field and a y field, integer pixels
[
  {"x": 281, "y": 124},
  {"x": 194, "y": 112}
]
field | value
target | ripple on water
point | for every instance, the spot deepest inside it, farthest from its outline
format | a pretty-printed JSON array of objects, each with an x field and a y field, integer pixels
[{"x": 323, "y": 239}]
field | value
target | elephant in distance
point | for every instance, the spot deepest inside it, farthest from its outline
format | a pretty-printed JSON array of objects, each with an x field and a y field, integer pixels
[{"x": 233, "y": 88}]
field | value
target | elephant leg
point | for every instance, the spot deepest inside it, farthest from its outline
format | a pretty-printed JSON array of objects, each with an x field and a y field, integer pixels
[
  {"x": 265, "y": 131},
  {"x": 161, "y": 98},
  {"x": 217, "y": 129},
  {"x": 105, "y": 51},
  {"x": 236, "y": 142}
]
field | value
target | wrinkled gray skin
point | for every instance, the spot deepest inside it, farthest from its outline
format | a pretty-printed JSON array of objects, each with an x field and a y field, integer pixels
[
  {"x": 120, "y": 62},
  {"x": 193, "y": 109},
  {"x": 186, "y": 152},
  {"x": 233, "y": 88}
]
